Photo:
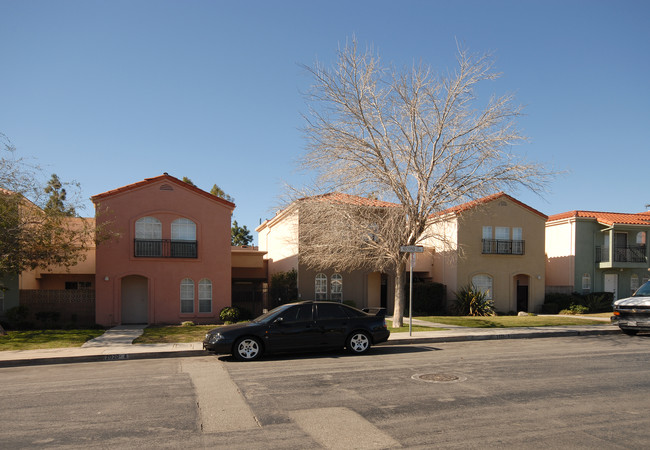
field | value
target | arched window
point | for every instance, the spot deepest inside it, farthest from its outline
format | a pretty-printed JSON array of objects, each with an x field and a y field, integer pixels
[
  {"x": 484, "y": 284},
  {"x": 148, "y": 237},
  {"x": 187, "y": 296},
  {"x": 205, "y": 296},
  {"x": 320, "y": 291},
  {"x": 183, "y": 230},
  {"x": 336, "y": 288},
  {"x": 183, "y": 244}
]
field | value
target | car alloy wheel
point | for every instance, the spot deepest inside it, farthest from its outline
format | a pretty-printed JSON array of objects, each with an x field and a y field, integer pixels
[
  {"x": 248, "y": 349},
  {"x": 358, "y": 342}
]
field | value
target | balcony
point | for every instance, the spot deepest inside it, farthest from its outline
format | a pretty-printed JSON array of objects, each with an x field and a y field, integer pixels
[
  {"x": 635, "y": 254},
  {"x": 165, "y": 248},
  {"x": 503, "y": 247}
]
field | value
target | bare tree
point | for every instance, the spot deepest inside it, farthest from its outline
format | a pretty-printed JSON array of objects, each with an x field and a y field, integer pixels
[{"x": 419, "y": 139}]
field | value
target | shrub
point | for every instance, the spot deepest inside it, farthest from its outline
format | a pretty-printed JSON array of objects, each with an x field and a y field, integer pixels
[
  {"x": 598, "y": 302},
  {"x": 575, "y": 309},
  {"x": 17, "y": 318},
  {"x": 229, "y": 314},
  {"x": 187, "y": 323},
  {"x": 472, "y": 302},
  {"x": 428, "y": 299},
  {"x": 284, "y": 287}
]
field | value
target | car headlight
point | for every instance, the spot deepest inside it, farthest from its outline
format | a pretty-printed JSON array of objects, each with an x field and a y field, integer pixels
[{"x": 213, "y": 338}]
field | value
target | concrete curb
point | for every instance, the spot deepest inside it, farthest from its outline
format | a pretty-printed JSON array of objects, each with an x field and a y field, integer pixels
[
  {"x": 125, "y": 353},
  {"x": 65, "y": 359},
  {"x": 499, "y": 336}
]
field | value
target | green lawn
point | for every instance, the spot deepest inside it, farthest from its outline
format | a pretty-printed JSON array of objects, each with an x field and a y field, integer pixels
[
  {"x": 511, "y": 321},
  {"x": 169, "y": 334},
  {"x": 37, "y": 339},
  {"x": 405, "y": 328}
]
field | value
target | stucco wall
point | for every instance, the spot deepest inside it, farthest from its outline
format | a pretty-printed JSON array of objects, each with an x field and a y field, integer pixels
[
  {"x": 503, "y": 212},
  {"x": 166, "y": 200}
]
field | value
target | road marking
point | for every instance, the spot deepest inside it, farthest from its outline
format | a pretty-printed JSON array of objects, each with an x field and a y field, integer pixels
[
  {"x": 221, "y": 405},
  {"x": 341, "y": 428}
]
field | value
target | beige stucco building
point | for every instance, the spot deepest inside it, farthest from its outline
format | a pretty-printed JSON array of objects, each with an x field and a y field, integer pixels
[{"x": 495, "y": 243}]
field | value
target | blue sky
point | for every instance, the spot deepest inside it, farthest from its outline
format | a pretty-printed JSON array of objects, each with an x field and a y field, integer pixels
[{"x": 108, "y": 93}]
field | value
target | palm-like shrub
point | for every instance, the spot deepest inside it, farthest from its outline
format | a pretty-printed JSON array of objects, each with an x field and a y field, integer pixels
[{"x": 472, "y": 302}]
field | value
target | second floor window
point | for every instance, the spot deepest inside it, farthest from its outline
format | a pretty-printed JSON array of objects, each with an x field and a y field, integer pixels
[
  {"x": 149, "y": 241},
  {"x": 503, "y": 243}
]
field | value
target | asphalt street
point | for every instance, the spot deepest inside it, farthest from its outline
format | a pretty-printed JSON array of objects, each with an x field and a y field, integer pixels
[{"x": 574, "y": 392}]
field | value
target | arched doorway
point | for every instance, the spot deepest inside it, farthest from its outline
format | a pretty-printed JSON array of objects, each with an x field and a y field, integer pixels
[
  {"x": 522, "y": 283},
  {"x": 135, "y": 299}
]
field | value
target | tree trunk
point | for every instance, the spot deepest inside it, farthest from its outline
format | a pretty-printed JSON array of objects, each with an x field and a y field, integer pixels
[{"x": 398, "y": 310}]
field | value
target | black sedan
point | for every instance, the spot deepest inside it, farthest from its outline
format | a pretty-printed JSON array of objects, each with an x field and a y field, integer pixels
[{"x": 300, "y": 326}]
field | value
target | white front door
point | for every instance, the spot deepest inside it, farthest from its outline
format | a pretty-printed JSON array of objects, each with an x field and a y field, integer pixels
[{"x": 611, "y": 284}]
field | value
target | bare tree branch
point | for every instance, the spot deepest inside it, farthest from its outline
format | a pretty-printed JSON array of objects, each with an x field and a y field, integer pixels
[{"x": 412, "y": 137}]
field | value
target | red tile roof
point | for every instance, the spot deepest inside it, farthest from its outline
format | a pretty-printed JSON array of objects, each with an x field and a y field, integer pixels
[
  {"x": 162, "y": 177},
  {"x": 338, "y": 197},
  {"x": 607, "y": 218},
  {"x": 481, "y": 201}
]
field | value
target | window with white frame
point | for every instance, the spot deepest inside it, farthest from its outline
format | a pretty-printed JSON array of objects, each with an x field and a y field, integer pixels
[
  {"x": 634, "y": 282},
  {"x": 183, "y": 230},
  {"x": 148, "y": 228},
  {"x": 320, "y": 288},
  {"x": 517, "y": 241},
  {"x": 205, "y": 296},
  {"x": 586, "y": 282},
  {"x": 187, "y": 296},
  {"x": 336, "y": 288},
  {"x": 487, "y": 240},
  {"x": 483, "y": 283}
]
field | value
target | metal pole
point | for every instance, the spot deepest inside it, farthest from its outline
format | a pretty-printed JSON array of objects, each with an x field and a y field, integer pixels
[{"x": 411, "y": 297}]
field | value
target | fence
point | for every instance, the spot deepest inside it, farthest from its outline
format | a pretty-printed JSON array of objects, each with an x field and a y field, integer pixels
[{"x": 75, "y": 307}]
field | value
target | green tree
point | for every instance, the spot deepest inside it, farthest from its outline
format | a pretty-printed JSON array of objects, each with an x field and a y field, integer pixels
[
  {"x": 218, "y": 192},
  {"x": 188, "y": 181},
  {"x": 240, "y": 235},
  {"x": 31, "y": 233},
  {"x": 57, "y": 199}
]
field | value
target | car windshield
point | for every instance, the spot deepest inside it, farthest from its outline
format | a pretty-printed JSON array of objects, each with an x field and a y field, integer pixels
[
  {"x": 643, "y": 291},
  {"x": 271, "y": 315}
]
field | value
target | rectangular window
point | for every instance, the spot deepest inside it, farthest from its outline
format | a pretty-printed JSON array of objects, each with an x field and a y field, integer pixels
[
  {"x": 487, "y": 232},
  {"x": 586, "y": 282},
  {"x": 517, "y": 241},
  {"x": 502, "y": 234}
]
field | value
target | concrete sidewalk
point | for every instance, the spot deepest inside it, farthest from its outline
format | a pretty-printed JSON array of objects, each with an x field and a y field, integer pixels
[{"x": 116, "y": 343}]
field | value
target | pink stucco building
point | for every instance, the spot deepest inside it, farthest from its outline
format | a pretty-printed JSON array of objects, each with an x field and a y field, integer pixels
[{"x": 170, "y": 260}]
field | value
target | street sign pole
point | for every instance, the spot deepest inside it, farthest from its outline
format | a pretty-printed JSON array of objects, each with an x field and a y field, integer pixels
[
  {"x": 411, "y": 296},
  {"x": 412, "y": 249}
]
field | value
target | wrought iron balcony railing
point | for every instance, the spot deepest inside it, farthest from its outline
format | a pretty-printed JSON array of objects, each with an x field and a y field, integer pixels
[
  {"x": 503, "y": 247},
  {"x": 165, "y": 248},
  {"x": 630, "y": 253}
]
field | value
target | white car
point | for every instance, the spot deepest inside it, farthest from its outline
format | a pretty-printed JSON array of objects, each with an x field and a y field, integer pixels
[{"x": 632, "y": 314}]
